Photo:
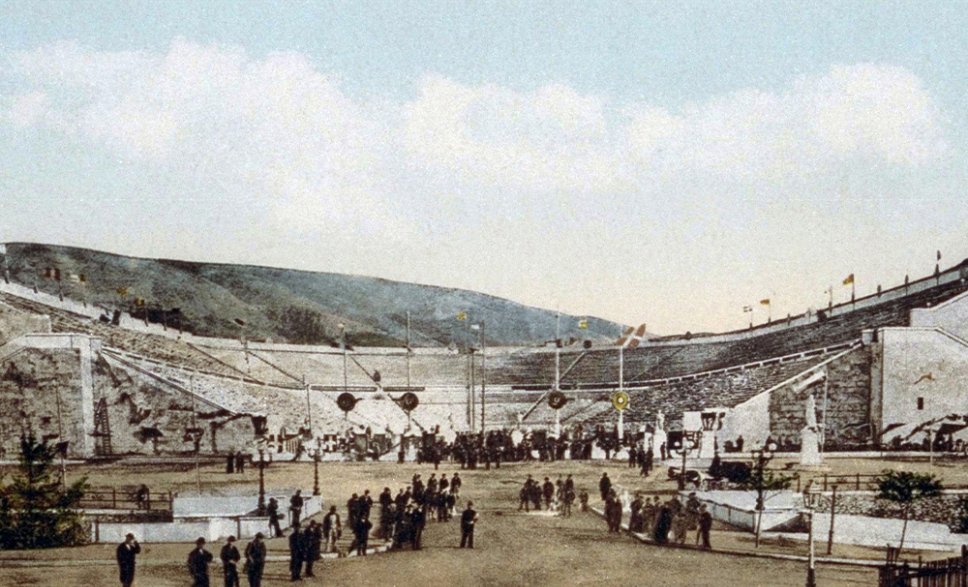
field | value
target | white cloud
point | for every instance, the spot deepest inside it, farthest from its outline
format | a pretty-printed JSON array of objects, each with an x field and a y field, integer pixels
[
  {"x": 581, "y": 189},
  {"x": 281, "y": 124},
  {"x": 275, "y": 127}
]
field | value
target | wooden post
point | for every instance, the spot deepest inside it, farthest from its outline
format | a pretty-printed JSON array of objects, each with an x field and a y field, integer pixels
[
  {"x": 833, "y": 513},
  {"x": 97, "y": 530},
  {"x": 858, "y": 482},
  {"x": 114, "y": 498}
]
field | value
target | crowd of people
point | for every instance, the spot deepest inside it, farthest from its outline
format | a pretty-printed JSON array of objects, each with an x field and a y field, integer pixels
[
  {"x": 557, "y": 497},
  {"x": 657, "y": 519}
]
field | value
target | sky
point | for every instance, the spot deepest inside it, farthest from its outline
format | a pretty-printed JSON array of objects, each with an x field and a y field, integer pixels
[{"x": 666, "y": 163}]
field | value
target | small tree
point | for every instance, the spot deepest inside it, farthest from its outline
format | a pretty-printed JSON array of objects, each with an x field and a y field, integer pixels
[
  {"x": 36, "y": 511},
  {"x": 905, "y": 489},
  {"x": 765, "y": 482}
]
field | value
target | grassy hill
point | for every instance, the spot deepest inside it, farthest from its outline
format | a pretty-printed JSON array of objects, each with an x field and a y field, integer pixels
[{"x": 285, "y": 304}]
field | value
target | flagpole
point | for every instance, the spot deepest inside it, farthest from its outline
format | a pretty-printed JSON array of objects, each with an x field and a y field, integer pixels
[
  {"x": 408, "y": 348},
  {"x": 621, "y": 387},
  {"x": 483, "y": 371},
  {"x": 558, "y": 351}
]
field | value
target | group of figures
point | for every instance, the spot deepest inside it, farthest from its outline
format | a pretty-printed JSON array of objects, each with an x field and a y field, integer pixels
[
  {"x": 557, "y": 497},
  {"x": 199, "y": 560},
  {"x": 657, "y": 519},
  {"x": 402, "y": 521}
]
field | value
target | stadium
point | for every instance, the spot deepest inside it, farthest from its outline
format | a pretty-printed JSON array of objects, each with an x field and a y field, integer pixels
[{"x": 883, "y": 370}]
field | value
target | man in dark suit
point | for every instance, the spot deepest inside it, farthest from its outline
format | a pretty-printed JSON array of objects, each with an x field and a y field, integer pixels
[
  {"x": 295, "y": 553},
  {"x": 468, "y": 520},
  {"x": 229, "y": 555},
  {"x": 604, "y": 485},
  {"x": 417, "y": 520},
  {"x": 361, "y": 534},
  {"x": 126, "y": 553},
  {"x": 296, "y": 506},
  {"x": 255, "y": 560},
  {"x": 198, "y": 561}
]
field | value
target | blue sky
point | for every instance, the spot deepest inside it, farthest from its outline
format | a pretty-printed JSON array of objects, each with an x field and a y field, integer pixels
[{"x": 657, "y": 162}]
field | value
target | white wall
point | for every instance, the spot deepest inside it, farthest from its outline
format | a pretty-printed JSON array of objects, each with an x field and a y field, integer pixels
[
  {"x": 922, "y": 363},
  {"x": 951, "y": 315},
  {"x": 751, "y": 419}
]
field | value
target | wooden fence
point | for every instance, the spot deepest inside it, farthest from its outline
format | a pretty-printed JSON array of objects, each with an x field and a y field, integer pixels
[
  {"x": 951, "y": 572},
  {"x": 126, "y": 498}
]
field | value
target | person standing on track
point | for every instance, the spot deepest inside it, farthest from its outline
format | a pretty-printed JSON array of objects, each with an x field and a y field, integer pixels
[
  {"x": 468, "y": 520},
  {"x": 126, "y": 553}
]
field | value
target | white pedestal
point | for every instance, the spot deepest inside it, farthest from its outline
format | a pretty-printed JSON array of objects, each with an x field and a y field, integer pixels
[
  {"x": 810, "y": 447},
  {"x": 707, "y": 445},
  {"x": 658, "y": 439}
]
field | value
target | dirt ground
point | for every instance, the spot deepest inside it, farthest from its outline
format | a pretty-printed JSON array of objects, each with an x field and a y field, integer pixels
[{"x": 512, "y": 548}]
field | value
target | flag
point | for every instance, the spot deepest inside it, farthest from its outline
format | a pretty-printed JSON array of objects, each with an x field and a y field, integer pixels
[
  {"x": 765, "y": 302},
  {"x": 583, "y": 324},
  {"x": 77, "y": 278},
  {"x": 461, "y": 316},
  {"x": 238, "y": 321},
  {"x": 939, "y": 255},
  {"x": 475, "y": 326},
  {"x": 122, "y": 291},
  {"x": 849, "y": 279},
  {"x": 139, "y": 302},
  {"x": 747, "y": 309}
]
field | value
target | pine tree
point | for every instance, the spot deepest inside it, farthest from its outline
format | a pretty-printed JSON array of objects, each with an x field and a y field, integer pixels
[{"x": 36, "y": 510}]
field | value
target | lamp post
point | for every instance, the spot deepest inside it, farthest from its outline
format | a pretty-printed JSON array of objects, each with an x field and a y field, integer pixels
[
  {"x": 763, "y": 457},
  {"x": 261, "y": 508},
  {"x": 683, "y": 446},
  {"x": 811, "y": 563},
  {"x": 342, "y": 344},
  {"x": 315, "y": 454}
]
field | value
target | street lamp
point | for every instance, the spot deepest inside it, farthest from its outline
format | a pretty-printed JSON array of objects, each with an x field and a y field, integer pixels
[
  {"x": 683, "y": 446},
  {"x": 762, "y": 457},
  {"x": 314, "y": 452},
  {"x": 261, "y": 508}
]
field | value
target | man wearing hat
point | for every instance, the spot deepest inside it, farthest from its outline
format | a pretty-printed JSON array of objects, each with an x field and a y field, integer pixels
[
  {"x": 295, "y": 553},
  {"x": 198, "y": 560},
  {"x": 230, "y": 558},
  {"x": 126, "y": 553},
  {"x": 467, "y": 521},
  {"x": 255, "y": 560}
]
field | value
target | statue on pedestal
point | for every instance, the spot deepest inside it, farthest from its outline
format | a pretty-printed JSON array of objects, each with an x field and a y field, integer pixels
[{"x": 810, "y": 435}]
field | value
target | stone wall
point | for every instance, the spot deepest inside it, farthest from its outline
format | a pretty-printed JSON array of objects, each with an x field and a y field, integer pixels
[
  {"x": 148, "y": 417},
  {"x": 925, "y": 376},
  {"x": 40, "y": 392},
  {"x": 14, "y": 323},
  {"x": 848, "y": 404},
  {"x": 947, "y": 508}
]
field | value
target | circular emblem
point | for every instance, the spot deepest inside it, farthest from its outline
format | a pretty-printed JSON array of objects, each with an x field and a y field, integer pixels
[
  {"x": 620, "y": 400},
  {"x": 346, "y": 401},
  {"x": 409, "y": 401},
  {"x": 557, "y": 400}
]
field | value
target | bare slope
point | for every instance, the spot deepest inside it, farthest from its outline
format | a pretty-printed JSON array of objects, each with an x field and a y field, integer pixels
[{"x": 286, "y": 304}]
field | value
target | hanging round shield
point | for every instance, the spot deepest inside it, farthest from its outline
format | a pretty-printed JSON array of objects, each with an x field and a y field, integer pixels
[
  {"x": 346, "y": 401},
  {"x": 557, "y": 400},
  {"x": 409, "y": 401},
  {"x": 620, "y": 400}
]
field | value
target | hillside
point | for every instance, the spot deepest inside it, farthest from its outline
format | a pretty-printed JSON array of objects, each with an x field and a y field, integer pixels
[{"x": 285, "y": 304}]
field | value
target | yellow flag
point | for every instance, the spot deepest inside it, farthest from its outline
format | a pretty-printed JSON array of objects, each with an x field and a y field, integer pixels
[
  {"x": 849, "y": 279},
  {"x": 461, "y": 316},
  {"x": 583, "y": 324},
  {"x": 765, "y": 302}
]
